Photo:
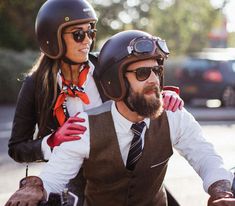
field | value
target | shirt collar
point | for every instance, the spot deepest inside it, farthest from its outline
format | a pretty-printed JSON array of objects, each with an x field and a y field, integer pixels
[
  {"x": 91, "y": 71},
  {"x": 123, "y": 123},
  {"x": 92, "y": 67}
]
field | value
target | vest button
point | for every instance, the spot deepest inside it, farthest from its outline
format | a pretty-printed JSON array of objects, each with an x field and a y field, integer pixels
[
  {"x": 130, "y": 196},
  {"x": 132, "y": 186}
]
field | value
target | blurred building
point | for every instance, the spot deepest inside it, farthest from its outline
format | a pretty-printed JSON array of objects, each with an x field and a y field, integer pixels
[{"x": 218, "y": 37}]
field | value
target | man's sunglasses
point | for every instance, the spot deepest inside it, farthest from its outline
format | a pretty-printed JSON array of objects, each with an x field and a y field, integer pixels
[
  {"x": 80, "y": 35},
  {"x": 143, "y": 73}
]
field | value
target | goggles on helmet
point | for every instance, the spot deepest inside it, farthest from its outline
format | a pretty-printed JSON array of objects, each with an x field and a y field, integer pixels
[{"x": 148, "y": 46}]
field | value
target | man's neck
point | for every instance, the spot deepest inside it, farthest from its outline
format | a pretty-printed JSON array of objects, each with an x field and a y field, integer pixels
[{"x": 127, "y": 113}]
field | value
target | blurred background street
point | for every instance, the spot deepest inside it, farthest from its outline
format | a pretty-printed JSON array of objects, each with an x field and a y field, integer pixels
[{"x": 181, "y": 178}]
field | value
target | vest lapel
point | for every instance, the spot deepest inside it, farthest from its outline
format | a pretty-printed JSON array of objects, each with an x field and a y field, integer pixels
[
  {"x": 157, "y": 144},
  {"x": 109, "y": 140}
]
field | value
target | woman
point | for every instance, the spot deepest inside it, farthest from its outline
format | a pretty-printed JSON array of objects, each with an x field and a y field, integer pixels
[{"x": 62, "y": 83}]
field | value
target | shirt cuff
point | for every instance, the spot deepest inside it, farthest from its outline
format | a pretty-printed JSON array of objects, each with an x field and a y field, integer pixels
[
  {"x": 46, "y": 149},
  {"x": 225, "y": 175}
]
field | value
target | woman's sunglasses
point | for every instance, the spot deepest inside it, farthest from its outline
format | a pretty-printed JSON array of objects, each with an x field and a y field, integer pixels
[
  {"x": 143, "y": 73},
  {"x": 80, "y": 35}
]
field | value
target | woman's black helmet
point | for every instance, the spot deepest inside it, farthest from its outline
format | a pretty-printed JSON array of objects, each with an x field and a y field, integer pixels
[
  {"x": 54, "y": 16},
  {"x": 123, "y": 49}
]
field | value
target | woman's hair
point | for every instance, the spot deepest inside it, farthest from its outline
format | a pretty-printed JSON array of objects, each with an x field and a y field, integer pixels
[{"x": 45, "y": 73}]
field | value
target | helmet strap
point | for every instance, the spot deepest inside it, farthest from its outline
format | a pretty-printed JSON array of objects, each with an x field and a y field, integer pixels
[
  {"x": 69, "y": 61},
  {"x": 127, "y": 95},
  {"x": 162, "y": 76},
  {"x": 160, "y": 61}
]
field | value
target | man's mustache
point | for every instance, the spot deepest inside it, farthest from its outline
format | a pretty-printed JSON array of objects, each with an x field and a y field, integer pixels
[{"x": 151, "y": 88}]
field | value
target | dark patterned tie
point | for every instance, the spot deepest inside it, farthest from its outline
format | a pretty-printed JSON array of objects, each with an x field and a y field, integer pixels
[{"x": 136, "y": 146}]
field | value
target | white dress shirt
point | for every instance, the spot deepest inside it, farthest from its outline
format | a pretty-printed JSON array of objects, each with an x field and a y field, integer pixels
[
  {"x": 186, "y": 137},
  {"x": 75, "y": 104}
]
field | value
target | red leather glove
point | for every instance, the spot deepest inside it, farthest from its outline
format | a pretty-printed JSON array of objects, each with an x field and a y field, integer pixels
[
  {"x": 69, "y": 131},
  {"x": 171, "y": 98},
  {"x": 172, "y": 88},
  {"x": 31, "y": 192}
]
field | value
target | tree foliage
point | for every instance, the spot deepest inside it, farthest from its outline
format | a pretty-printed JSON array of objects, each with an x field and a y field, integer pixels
[
  {"x": 183, "y": 23},
  {"x": 17, "y": 23}
]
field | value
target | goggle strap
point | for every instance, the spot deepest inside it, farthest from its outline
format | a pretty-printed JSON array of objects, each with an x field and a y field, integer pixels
[{"x": 130, "y": 49}]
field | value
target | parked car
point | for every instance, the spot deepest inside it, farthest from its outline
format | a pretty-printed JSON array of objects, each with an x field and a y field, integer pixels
[{"x": 204, "y": 75}]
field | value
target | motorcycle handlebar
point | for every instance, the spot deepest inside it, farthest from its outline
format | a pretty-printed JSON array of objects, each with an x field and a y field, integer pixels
[{"x": 66, "y": 198}]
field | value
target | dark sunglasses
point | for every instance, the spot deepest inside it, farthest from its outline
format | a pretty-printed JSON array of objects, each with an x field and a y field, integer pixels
[
  {"x": 79, "y": 35},
  {"x": 143, "y": 73}
]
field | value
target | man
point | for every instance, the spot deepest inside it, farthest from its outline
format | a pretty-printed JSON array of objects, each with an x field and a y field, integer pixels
[
  {"x": 128, "y": 142},
  {"x": 62, "y": 83}
]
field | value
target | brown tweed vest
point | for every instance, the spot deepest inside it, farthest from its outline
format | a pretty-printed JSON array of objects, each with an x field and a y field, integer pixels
[{"x": 109, "y": 182}]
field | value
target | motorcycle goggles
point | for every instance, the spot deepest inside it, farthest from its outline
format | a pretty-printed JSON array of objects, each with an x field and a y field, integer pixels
[
  {"x": 154, "y": 46},
  {"x": 80, "y": 35},
  {"x": 143, "y": 73}
]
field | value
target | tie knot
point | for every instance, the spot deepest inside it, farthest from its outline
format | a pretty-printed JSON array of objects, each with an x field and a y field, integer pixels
[{"x": 138, "y": 128}]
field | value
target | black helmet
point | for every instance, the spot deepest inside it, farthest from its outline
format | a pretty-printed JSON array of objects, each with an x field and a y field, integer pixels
[
  {"x": 123, "y": 49},
  {"x": 54, "y": 16}
]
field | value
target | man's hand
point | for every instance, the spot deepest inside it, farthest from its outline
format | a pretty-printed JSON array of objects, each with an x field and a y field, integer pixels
[
  {"x": 69, "y": 131},
  {"x": 31, "y": 192},
  {"x": 222, "y": 202},
  {"x": 171, "y": 99},
  {"x": 221, "y": 194}
]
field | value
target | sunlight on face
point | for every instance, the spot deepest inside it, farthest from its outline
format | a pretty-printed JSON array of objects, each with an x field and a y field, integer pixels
[
  {"x": 77, "y": 51},
  {"x": 144, "y": 96},
  {"x": 152, "y": 80}
]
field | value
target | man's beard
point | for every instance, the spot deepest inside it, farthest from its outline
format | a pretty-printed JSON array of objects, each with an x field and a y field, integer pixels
[{"x": 146, "y": 107}]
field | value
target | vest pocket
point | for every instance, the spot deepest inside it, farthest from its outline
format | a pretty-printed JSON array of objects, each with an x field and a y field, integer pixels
[{"x": 160, "y": 163}]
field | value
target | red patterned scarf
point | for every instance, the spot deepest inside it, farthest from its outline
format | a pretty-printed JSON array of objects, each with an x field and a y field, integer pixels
[{"x": 72, "y": 90}]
